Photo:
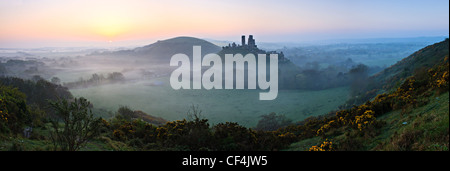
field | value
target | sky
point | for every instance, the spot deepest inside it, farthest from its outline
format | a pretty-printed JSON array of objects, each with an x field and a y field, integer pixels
[{"x": 56, "y": 23}]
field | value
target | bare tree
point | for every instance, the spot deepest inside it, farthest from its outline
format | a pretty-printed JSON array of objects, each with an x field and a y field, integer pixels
[
  {"x": 194, "y": 113},
  {"x": 79, "y": 125}
]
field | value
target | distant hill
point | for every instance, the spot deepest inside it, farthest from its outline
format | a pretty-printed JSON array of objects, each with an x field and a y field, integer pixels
[
  {"x": 162, "y": 50},
  {"x": 165, "y": 49}
]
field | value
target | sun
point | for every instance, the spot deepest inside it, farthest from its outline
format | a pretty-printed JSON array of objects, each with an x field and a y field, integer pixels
[
  {"x": 109, "y": 26},
  {"x": 109, "y": 30}
]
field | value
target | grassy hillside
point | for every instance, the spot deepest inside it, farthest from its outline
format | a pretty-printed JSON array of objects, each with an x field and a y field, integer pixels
[
  {"x": 414, "y": 116},
  {"x": 421, "y": 129},
  {"x": 390, "y": 78}
]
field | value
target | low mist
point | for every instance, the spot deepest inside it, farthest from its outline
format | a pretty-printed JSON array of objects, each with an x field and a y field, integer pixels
[{"x": 317, "y": 79}]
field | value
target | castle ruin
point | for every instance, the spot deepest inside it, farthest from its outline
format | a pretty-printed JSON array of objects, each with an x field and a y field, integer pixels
[
  {"x": 250, "y": 43},
  {"x": 250, "y": 46}
]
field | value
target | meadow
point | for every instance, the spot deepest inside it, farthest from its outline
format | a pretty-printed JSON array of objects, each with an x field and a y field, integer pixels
[{"x": 157, "y": 98}]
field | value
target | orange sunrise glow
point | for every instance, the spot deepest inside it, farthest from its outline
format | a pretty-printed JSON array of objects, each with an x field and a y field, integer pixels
[{"x": 116, "y": 20}]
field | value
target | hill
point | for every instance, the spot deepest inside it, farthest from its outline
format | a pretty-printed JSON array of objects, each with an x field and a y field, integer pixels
[
  {"x": 422, "y": 59},
  {"x": 413, "y": 115},
  {"x": 162, "y": 50},
  {"x": 390, "y": 78}
]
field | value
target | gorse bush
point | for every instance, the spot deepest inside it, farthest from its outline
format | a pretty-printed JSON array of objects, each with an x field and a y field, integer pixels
[
  {"x": 3, "y": 116},
  {"x": 363, "y": 121},
  {"x": 327, "y": 145},
  {"x": 233, "y": 137},
  {"x": 194, "y": 134},
  {"x": 14, "y": 110}
]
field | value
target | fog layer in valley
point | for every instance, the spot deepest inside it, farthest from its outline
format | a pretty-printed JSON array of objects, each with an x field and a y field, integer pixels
[{"x": 319, "y": 78}]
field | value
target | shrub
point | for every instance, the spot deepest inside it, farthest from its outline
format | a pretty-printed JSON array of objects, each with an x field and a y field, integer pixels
[
  {"x": 231, "y": 136},
  {"x": 363, "y": 121},
  {"x": 405, "y": 141},
  {"x": 15, "y": 113},
  {"x": 79, "y": 125},
  {"x": 327, "y": 145},
  {"x": 193, "y": 135},
  {"x": 272, "y": 122}
]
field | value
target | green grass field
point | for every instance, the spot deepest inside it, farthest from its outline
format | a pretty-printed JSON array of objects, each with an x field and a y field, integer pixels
[{"x": 241, "y": 106}]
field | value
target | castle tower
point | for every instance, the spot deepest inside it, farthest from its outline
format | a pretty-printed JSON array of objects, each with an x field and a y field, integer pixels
[
  {"x": 243, "y": 40},
  {"x": 251, "y": 41}
]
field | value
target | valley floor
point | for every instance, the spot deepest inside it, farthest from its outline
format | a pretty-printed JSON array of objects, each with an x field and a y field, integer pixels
[{"x": 218, "y": 106}]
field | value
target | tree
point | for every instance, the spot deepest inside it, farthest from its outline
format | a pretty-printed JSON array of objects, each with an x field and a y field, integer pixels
[
  {"x": 56, "y": 80},
  {"x": 36, "y": 78},
  {"x": 272, "y": 122},
  {"x": 126, "y": 113},
  {"x": 358, "y": 79},
  {"x": 79, "y": 126},
  {"x": 116, "y": 77}
]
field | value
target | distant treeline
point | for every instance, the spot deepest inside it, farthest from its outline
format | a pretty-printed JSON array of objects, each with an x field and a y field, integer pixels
[
  {"x": 96, "y": 80},
  {"x": 331, "y": 77},
  {"x": 37, "y": 90},
  {"x": 23, "y": 68}
]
